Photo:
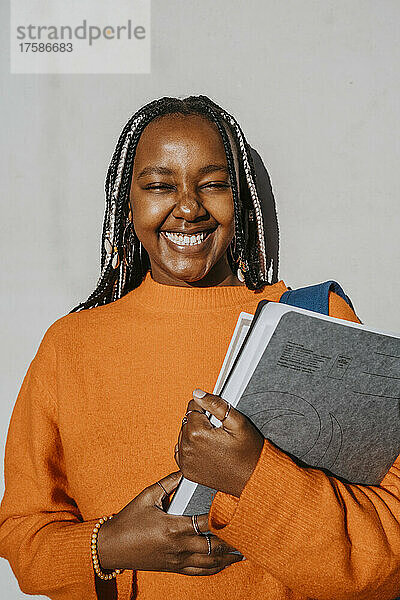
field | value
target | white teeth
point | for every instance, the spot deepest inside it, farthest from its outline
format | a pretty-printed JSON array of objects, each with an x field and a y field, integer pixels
[{"x": 184, "y": 239}]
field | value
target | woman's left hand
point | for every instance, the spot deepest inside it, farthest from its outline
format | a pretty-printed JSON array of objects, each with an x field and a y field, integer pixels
[{"x": 222, "y": 458}]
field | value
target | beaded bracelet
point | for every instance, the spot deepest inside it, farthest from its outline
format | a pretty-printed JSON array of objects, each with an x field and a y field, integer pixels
[{"x": 95, "y": 558}]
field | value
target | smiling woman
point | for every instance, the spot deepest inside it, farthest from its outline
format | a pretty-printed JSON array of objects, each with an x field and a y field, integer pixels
[
  {"x": 97, "y": 429},
  {"x": 182, "y": 203},
  {"x": 176, "y": 159}
]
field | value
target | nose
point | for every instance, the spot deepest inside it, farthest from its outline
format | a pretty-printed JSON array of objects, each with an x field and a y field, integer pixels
[{"x": 189, "y": 207}]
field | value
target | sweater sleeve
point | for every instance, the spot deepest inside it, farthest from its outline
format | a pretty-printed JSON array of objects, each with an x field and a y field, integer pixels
[
  {"x": 320, "y": 537},
  {"x": 42, "y": 533}
]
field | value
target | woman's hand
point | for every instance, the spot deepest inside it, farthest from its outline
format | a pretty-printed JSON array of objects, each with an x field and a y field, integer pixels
[
  {"x": 144, "y": 537},
  {"x": 222, "y": 458}
]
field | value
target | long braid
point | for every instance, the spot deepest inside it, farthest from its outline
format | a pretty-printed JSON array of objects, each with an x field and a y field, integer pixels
[
  {"x": 249, "y": 172},
  {"x": 250, "y": 177},
  {"x": 240, "y": 235},
  {"x": 117, "y": 276}
]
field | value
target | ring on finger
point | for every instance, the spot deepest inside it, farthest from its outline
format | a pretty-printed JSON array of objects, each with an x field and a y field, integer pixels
[
  {"x": 196, "y": 525},
  {"x": 162, "y": 487},
  {"x": 194, "y": 410},
  {"x": 228, "y": 408},
  {"x": 208, "y": 538}
]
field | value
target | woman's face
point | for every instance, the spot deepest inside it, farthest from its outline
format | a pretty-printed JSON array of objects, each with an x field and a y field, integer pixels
[{"x": 181, "y": 201}]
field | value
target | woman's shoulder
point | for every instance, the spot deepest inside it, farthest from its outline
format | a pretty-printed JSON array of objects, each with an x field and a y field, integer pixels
[{"x": 88, "y": 323}]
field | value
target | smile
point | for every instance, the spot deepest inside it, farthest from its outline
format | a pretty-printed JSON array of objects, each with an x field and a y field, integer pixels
[{"x": 184, "y": 239}]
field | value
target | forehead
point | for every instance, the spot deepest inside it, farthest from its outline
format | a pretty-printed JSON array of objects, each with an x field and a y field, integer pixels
[{"x": 177, "y": 137}]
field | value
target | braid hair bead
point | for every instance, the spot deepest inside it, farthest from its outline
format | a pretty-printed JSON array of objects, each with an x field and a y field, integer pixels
[
  {"x": 95, "y": 558},
  {"x": 113, "y": 195},
  {"x": 119, "y": 196}
]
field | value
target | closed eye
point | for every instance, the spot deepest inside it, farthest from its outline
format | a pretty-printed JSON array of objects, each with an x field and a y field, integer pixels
[
  {"x": 159, "y": 186},
  {"x": 217, "y": 184},
  {"x": 165, "y": 186}
]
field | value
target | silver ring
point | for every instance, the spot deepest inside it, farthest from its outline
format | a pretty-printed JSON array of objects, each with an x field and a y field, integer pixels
[
  {"x": 208, "y": 543},
  {"x": 196, "y": 525},
  {"x": 190, "y": 411},
  {"x": 227, "y": 411},
  {"x": 162, "y": 487}
]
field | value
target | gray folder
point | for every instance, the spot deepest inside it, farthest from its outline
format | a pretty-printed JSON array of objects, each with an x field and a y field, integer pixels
[{"x": 328, "y": 395}]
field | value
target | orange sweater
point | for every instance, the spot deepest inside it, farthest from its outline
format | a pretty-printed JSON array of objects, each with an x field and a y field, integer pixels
[{"x": 96, "y": 421}]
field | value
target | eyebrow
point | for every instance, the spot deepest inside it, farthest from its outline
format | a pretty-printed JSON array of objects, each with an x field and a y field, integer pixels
[
  {"x": 158, "y": 170},
  {"x": 212, "y": 168}
]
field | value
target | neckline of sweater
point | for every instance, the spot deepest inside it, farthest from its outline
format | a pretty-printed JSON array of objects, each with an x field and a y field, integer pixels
[{"x": 159, "y": 297}]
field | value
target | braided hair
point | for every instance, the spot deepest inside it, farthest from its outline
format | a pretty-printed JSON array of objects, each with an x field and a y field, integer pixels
[{"x": 124, "y": 261}]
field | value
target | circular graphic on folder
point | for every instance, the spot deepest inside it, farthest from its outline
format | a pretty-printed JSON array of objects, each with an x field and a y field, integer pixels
[{"x": 295, "y": 425}]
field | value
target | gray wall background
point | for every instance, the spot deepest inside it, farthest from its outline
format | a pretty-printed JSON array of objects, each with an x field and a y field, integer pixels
[{"x": 315, "y": 86}]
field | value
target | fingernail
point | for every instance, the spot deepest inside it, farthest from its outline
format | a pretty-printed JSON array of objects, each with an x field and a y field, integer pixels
[{"x": 198, "y": 393}]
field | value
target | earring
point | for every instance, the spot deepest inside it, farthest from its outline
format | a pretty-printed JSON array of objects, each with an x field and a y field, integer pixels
[
  {"x": 232, "y": 250},
  {"x": 243, "y": 268},
  {"x": 113, "y": 252},
  {"x": 115, "y": 259},
  {"x": 128, "y": 240}
]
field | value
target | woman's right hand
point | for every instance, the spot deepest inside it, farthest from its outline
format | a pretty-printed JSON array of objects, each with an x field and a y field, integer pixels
[{"x": 142, "y": 536}]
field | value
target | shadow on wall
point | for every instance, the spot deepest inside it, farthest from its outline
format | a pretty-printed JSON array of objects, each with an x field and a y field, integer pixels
[{"x": 271, "y": 228}]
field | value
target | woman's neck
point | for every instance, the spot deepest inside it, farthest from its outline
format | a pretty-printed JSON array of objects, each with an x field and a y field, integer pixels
[
  {"x": 221, "y": 275},
  {"x": 230, "y": 280}
]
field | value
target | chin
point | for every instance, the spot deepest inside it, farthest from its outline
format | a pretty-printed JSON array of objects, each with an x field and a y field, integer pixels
[{"x": 189, "y": 277}]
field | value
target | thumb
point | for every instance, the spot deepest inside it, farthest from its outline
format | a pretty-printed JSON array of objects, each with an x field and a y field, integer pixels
[
  {"x": 218, "y": 407},
  {"x": 165, "y": 486}
]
